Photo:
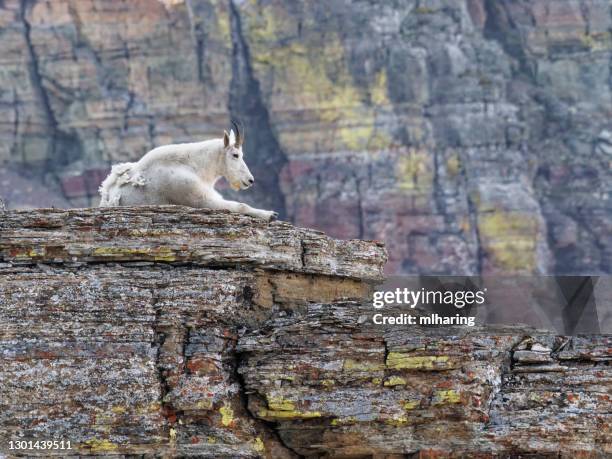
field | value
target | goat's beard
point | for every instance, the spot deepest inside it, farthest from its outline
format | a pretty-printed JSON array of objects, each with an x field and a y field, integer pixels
[{"x": 235, "y": 186}]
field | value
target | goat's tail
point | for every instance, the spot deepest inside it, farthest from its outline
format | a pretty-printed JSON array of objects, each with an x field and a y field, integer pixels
[{"x": 109, "y": 191}]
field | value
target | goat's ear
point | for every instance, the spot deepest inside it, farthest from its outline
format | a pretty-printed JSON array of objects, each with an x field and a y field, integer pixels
[{"x": 226, "y": 139}]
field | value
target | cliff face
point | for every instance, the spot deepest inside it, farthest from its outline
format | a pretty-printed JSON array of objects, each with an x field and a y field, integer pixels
[
  {"x": 120, "y": 327},
  {"x": 175, "y": 332},
  {"x": 471, "y": 136}
]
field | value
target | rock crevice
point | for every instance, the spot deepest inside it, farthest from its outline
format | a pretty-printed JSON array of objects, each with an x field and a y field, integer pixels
[{"x": 247, "y": 105}]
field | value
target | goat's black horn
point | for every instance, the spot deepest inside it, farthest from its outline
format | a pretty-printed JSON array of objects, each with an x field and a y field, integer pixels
[{"x": 239, "y": 138}]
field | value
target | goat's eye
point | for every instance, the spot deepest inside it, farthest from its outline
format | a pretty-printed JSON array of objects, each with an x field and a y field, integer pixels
[{"x": 236, "y": 155}]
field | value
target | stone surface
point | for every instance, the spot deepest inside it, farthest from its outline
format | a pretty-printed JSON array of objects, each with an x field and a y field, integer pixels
[
  {"x": 174, "y": 332},
  {"x": 338, "y": 387},
  {"x": 177, "y": 234},
  {"x": 472, "y": 136}
]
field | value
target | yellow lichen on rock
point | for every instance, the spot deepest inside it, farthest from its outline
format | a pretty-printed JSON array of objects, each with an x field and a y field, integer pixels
[
  {"x": 351, "y": 365},
  {"x": 599, "y": 41},
  {"x": 163, "y": 254},
  {"x": 510, "y": 238},
  {"x": 227, "y": 415},
  {"x": 280, "y": 404},
  {"x": 453, "y": 165},
  {"x": 445, "y": 397},
  {"x": 400, "y": 360},
  {"x": 409, "y": 405},
  {"x": 152, "y": 407},
  {"x": 100, "y": 445},
  {"x": 280, "y": 408},
  {"x": 414, "y": 171},
  {"x": 223, "y": 30},
  {"x": 258, "y": 445},
  {"x": 35, "y": 253},
  {"x": 289, "y": 414},
  {"x": 395, "y": 381},
  {"x": 397, "y": 421},
  {"x": 349, "y": 420},
  {"x": 204, "y": 404},
  {"x": 378, "y": 91},
  {"x": 312, "y": 73},
  {"x": 119, "y": 409}
]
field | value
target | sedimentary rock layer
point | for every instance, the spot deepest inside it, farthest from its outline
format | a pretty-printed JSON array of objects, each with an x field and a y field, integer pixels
[
  {"x": 176, "y": 332},
  {"x": 179, "y": 234}
]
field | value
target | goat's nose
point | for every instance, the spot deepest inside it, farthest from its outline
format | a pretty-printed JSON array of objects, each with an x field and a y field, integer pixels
[{"x": 251, "y": 181}]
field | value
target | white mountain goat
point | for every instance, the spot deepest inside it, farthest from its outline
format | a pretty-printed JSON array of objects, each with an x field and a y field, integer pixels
[{"x": 184, "y": 174}]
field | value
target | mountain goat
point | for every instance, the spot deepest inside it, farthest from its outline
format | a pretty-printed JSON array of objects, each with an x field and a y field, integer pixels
[{"x": 184, "y": 174}]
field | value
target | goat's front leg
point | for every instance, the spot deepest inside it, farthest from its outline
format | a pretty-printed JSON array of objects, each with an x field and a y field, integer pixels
[
  {"x": 192, "y": 192},
  {"x": 241, "y": 208}
]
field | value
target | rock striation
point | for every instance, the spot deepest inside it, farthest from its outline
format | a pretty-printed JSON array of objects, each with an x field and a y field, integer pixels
[
  {"x": 168, "y": 331},
  {"x": 472, "y": 136}
]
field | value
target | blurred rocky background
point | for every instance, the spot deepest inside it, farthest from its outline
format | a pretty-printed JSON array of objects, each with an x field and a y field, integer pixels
[{"x": 472, "y": 136}]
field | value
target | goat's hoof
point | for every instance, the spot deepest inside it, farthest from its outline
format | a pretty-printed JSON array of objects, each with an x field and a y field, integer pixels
[{"x": 273, "y": 216}]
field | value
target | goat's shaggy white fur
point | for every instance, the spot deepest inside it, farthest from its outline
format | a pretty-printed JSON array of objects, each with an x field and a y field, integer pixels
[{"x": 183, "y": 174}]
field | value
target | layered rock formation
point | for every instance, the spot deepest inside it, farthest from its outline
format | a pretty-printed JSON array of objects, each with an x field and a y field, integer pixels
[
  {"x": 471, "y": 136},
  {"x": 175, "y": 332}
]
